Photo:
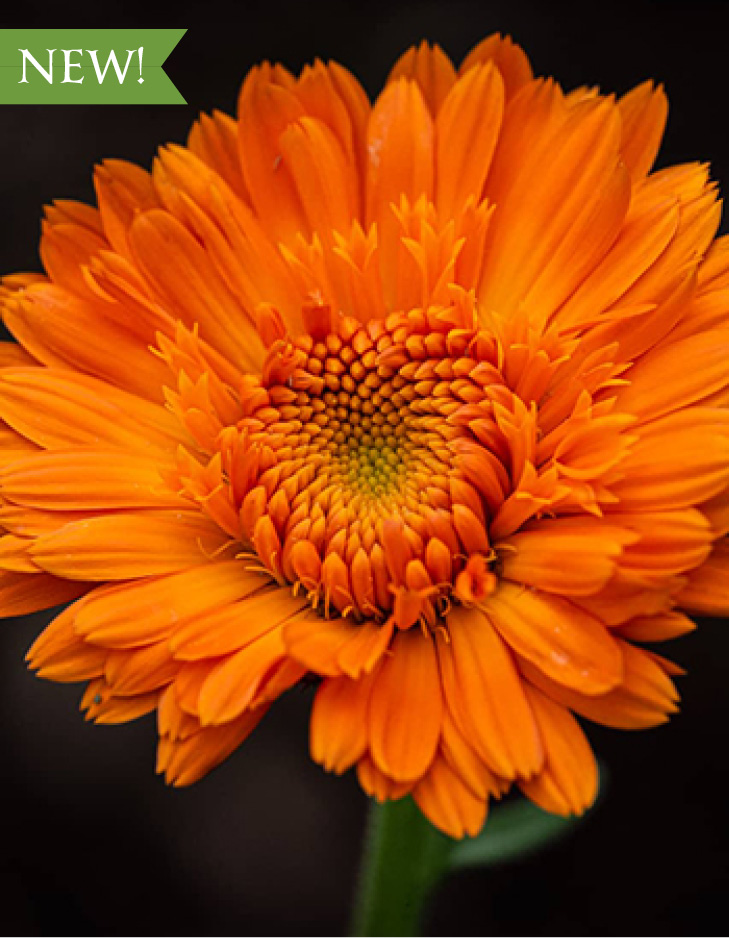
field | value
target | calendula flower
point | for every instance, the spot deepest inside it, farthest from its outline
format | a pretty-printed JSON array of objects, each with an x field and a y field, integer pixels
[{"x": 423, "y": 401}]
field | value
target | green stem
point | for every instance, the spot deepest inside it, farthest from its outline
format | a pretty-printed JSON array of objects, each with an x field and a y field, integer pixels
[{"x": 404, "y": 857}]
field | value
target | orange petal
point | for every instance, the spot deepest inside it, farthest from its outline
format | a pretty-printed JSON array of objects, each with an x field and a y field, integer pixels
[
  {"x": 400, "y": 147},
  {"x": 333, "y": 95},
  {"x": 431, "y": 68},
  {"x": 568, "y": 782},
  {"x": 103, "y": 706},
  {"x": 620, "y": 601},
  {"x": 214, "y": 138},
  {"x": 266, "y": 107},
  {"x": 573, "y": 557},
  {"x": 641, "y": 241},
  {"x": 85, "y": 479},
  {"x": 22, "y": 593},
  {"x": 14, "y": 554},
  {"x": 558, "y": 207},
  {"x": 510, "y": 60},
  {"x": 467, "y": 128},
  {"x": 337, "y": 646},
  {"x": 58, "y": 409},
  {"x": 674, "y": 375},
  {"x": 184, "y": 761},
  {"x": 644, "y": 698},
  {"x": 122, "y": 190},
  {"x": 406, "y": 708},
  {"x": 14, "y": 446},
  {"x": 68, "y": 211},
  {"x": 485, "y": 695},
  {"x": 234, "y": 242},
  {"x": 680, "y": 460},
  {"x": 324, "y": 178},
  {"x": 707, "y": 590},
  {"x": 338, "y": 733},
  {"x": 668, "y": 543},
  {"x": 14, "y": 355},
  {"x": 227, "y": 629},
  {"x": 126, "y": 546},
  {"x": 68, "y": 659},
  {"x": 644, "y": 111},
  {"x": 128, "y": 614},
  {"x": 233, "y": 684},
  {"x": 66, "y": 248},
  {"x": 379, "y": 785},
  {"x": 130, "y": 672},
  {"x": 61, "y": 329},
  {"x": 449, "y": 804},
  {"x": 464, "y": 761},
  {"x": 172, "y": 721},
  {"x": 570, "y": 646},
  {"x": 185, "y": 280},
  {"x": 658, "y": 628}
]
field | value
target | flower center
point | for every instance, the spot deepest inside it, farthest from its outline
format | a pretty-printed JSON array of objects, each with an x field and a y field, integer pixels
[
  {"x": 361, "y": 421},
  {"x": 367, "y": 426},
  {"x": 359, "y": 492}
]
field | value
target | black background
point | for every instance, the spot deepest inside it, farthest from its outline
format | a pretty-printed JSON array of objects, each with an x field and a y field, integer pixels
[{"x": 91, "y": 842}]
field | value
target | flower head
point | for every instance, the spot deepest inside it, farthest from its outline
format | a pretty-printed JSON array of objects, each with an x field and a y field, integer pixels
[{"x": 424, "y": 400}]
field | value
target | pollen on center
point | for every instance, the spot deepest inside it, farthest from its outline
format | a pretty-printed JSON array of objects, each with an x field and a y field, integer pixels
[{"x": 354, "y": 488}]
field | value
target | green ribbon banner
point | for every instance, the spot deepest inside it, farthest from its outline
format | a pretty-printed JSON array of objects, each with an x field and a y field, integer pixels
[{"x": 87, "y": 66}]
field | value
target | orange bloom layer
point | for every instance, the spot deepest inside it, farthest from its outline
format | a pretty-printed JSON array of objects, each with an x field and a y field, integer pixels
[{"x": 425, "y": 399}]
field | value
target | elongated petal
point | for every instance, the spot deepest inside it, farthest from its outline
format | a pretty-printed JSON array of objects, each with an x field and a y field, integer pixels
[
  {"x": 509, "y": 58},
  {"x": 57, "y": 409},
  {"x": 550, "y": 199},
  {"x": 265, "y": 109},
  {"x": 183, "y": 277},
  {"x": 377, "y": 784},
  {"x": 486, "y": 696},
  {"x": 122, "y": 190},
  {"x": 693, "y": 470},
  {"x": 125, "y": 546},
  {"x": 644, "y": 111},
  {"x": 448, "y": 803},
  {"x": 465, "y": 762},
  {"x": 707, "y": 590},
  {"x": 431, "y": 68},
  {"x": 74, "y": 333},
  {"x": 677, "y": 374},
  {"x": 406, "y": 708},
  {"x": 657, "y": 628},
  {"x": 233, "y": 684},
  {"x": 568, "y": 782},
  {"x": 645, "y": 697},
  {"x": 400, "y": 147},
  {"x": 228, "y": 628},
  {"x": 467, "y": 129},
  {"x": 336, "y": 646},
  {"x": 131, "y": 672},
  {"x": 570, "y": 646},
  {"x": 184, "y": 761},
  {"x": 325, "y": 181},
  {"x": 159, "y": 603},
  {"x": 338, "y": 735},
  {"x": 572, "y": 559},
  {"x": 21, "y": 593},
  {"x": 86, "y": 479}
]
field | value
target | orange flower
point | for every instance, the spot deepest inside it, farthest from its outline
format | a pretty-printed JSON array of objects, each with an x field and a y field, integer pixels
[{"x": 425, "y": 401}]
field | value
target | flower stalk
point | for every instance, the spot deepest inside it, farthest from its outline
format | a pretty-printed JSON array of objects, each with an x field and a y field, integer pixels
[{"x": 403, "y": 859}]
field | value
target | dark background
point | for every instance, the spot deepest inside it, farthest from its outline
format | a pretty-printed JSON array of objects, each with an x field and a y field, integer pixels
[{"x": 91, "y": 842}]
